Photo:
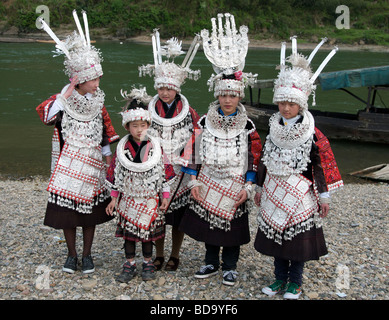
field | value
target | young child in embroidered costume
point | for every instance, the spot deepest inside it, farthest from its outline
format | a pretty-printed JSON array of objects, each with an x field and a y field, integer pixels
[
  {"x": 228, "y": 149},
  {"x": 297, "y": 171},
  {"x": 82, "y": 136},
  {"x": 136, "y": 176},
  {"x": 174, "y": 121}
]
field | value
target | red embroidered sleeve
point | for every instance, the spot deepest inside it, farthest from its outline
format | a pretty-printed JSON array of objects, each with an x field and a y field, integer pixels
[
  {"x": 256, "y": 149},
  {"x": 110, "y": 177},
  {"x": 109, "y": 129},
  {"x": 43, "y": 110},
  {"x": 328, "y": 162},
  {"x": 195, "y": 117}
]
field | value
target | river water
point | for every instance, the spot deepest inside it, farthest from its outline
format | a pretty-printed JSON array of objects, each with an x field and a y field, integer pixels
[{"x": 29, "y": 75}]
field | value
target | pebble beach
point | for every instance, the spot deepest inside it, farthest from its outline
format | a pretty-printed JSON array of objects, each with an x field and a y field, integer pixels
[{"x": 32, "y": 255}]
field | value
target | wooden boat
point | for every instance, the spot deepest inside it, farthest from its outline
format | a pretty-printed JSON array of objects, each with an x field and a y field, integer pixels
[
  {"x": 378, "y": 173},
  {"x": 368, "y": 125}
]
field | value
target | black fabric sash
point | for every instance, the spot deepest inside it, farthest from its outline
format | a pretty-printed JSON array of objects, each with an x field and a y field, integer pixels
[
  {"x": 139, "y": 149},
  {"x": 170, "y": 111}
]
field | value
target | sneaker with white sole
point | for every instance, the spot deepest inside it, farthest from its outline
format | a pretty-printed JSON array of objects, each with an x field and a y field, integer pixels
[
  {"x": 206, "y": 271},
  {"x": 148, "y": 271},
  {"x": 70, "y": 265},
  {"x": 128, "y": 273},
  {"x": 293, "y": 291},
  {"x": 276, "y": 287},
  {"x": 229, "y": 277},
  {"x": 87, "y": 265}
]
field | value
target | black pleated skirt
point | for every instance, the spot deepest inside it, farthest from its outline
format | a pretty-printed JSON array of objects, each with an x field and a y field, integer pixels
[
  {"x": 174, "y": 218},
  {"x": 59, "y": 217},
  {"x": 309, "y": 245},
  {"x": 199, "y": 229}
]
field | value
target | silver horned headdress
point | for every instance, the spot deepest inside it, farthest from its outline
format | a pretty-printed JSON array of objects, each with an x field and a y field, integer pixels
[
  {"x": 81, "y": 58},
  {"x": 226, "y": 49},
  {"x": 295, "y": 83},
  {"x": 167, "y": 73},
  {"x": 136, "y": 106}
]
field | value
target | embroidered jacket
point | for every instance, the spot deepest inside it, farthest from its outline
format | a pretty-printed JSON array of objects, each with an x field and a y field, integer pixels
[
  {"x": 290, "y": 199},
  {"x": 226, "y": 155},
  {"x": 137, "y": 178},
  {"x": 109, "y": 133},
  {"x": 174, "y": 125},
  {"x": 322, "y": 169},
  {"x": 77, "y": 166}
]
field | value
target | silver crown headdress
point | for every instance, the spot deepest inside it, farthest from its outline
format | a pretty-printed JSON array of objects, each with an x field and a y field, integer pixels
[
  {"x": 296, "y": 83},
  {"x": 226, "y": 49},
  {"x": 169, "y": 74},
  {"x": 81, "y": 58},
  {"x": 138, "y": 111}
]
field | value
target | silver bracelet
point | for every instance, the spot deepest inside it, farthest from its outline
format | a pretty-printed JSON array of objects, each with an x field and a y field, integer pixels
[
  {"x": 249, "y": 189},
  {"x": 258, "y": 189},
  {"x": 194, "y": 183}
]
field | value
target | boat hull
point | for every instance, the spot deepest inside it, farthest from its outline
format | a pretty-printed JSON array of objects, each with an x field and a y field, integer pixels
[{"x": 364, "y": 126}]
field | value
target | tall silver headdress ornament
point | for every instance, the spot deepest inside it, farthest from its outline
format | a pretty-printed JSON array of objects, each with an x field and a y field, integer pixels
[
  {"x": 81, "y": 58},
  {"x": 167, "y": 73},
  {"x": 136, "y": 107},
  {"x": 226, "y": 49},
  {"x": 295, "y": 83}
]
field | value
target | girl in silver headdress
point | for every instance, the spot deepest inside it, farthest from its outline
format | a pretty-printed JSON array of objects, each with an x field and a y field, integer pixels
[
  {"x": 296, "y": 172},
  {"x": 81, "y": 142},
  {"x": 224, "y": 163},
  {"x": 139, "y": 189},
  {"x": 174, "y": 121}
]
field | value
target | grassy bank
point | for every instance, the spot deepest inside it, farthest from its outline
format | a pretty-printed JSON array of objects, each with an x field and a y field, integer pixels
[{"x": 266, "y": 19}]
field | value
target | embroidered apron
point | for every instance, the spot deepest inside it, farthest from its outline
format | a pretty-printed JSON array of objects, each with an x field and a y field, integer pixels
[
  {"x": 286, "y": 203},
  {"x": 78, "y": 177},
  {"x": 79, "y": 174},
  {"x": 219, "y": 196},
  {"x": 139, "y": 184},
  {"x": 223, "y": 152}
]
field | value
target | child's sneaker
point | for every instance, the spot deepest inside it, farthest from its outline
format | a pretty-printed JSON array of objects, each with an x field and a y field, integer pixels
[
  {"x": 70, "y": 265},
  {"x": 274, "y": 288},
  {"x": 148, "y": 270},
  {"x": 206, "y": 271},
  {"x": 229, "y": 277},
  {"x": 129, "y": 271},
  {"x": 293, "y": 291},
  {"x": 87, "y": 265}
]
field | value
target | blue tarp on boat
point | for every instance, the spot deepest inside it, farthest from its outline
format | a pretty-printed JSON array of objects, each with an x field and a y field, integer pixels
[{"x": 364, "y": 77}]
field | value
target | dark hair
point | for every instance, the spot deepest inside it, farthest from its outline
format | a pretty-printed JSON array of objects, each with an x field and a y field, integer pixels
[
  {"x": 133, "y": 104},
  {"x": 229, "y": 76}
]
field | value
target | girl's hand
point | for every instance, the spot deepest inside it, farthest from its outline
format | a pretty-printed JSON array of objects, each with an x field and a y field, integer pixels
[
  {"x": 111, "y": 207},
  {"x": 72, "y": 86},
  {"x": 164, "y": 204},
  {"x": 325, "y": 208},
  {"x": 257, "y": 198},
  {"x": 108, "y": 160},
  {"x": 195, "y": 192},
  {"x": 242, "y": 197}
]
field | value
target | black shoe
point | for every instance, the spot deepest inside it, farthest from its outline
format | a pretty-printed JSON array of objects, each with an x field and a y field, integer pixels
[
  {"x": 206, "y": 271},
  {"x": 70, "y": 265},
  {"x": 229, "y": 277},
  {"x": 148, "y": 271},
  {"x": 87, "y": 265},
  {"x": 129, "y": 271}
]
